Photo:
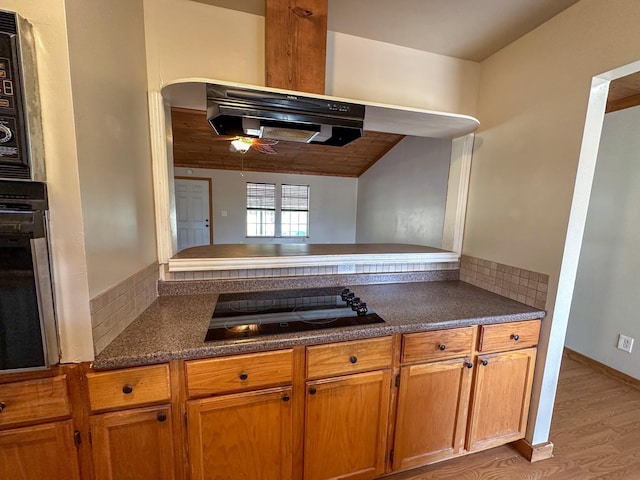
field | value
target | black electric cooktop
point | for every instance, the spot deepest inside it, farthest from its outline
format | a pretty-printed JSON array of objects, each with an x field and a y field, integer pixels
[{"x": 251, "y": 314}]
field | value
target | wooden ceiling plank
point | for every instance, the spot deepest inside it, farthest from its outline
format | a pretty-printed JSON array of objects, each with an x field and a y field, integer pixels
[
  {"x": 624, "y": 93},
  {"x": 195, "y": 145},
  {"x": 373, "y": 161},
  {"x": 622, "y": 103}
]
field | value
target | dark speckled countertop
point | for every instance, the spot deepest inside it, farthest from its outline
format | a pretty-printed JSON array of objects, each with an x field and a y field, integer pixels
[{"x": 175, "y": 326}]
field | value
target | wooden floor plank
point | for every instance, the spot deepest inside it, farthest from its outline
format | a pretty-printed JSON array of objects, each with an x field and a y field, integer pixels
[{"x": 595, "y": 432}]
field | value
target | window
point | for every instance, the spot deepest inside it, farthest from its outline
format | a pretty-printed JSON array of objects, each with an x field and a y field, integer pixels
[
  {"x": 261, "y": 209},
  {"x": 294, "y": 214},
  {"x": 290, "y": 218}
]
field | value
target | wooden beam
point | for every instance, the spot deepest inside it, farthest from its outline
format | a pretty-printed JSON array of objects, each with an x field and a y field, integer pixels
[
  {"x": 622, "y": 103},
  {"x": 296, "y": 44}
]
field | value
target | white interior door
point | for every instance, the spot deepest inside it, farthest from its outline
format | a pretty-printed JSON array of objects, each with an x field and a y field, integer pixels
[{"x": 192, "y": 212}]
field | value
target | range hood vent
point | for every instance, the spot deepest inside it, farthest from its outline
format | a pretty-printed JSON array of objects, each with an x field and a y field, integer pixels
[{"x": 283, "y": 116}]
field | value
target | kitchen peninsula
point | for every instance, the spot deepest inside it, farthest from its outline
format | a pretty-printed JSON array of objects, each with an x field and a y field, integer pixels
[{"x": 445, "y": 350}]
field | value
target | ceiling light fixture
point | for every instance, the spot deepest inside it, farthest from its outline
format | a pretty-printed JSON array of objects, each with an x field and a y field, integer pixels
[{"x": 242, "y": 144}]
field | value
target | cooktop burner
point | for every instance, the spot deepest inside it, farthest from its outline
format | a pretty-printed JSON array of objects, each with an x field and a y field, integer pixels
[{"x": 250, "y": 314}]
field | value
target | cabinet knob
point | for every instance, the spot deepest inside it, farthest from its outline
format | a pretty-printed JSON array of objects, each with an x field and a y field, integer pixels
[
  {"x": 469, "y": 365},
  {"x": 515, "y": 336},
  {"x": 162, "y": 416},
  {"x": 127, "y": 389},
  {"x": 2, "y": 406},
  {"x": 442, "y": 347},
  {"x": 312, "y": 391},
  {"x": 286, "y": 398},
  {"x": 485, "y": 363},
  {"x": 244, "y": 376},
  {"x": 353, "y": 359}
]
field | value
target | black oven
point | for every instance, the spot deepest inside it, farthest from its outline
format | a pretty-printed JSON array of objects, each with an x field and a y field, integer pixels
[{"x": 28, "y": 338}]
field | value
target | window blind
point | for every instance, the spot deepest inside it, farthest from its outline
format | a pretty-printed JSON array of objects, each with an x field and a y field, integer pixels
[
  {"x": 295, "y": 198},
  {"x": 261, "y": 196}
]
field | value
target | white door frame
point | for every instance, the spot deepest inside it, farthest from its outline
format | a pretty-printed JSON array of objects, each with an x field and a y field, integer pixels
[{"x": 573, "y": 245}]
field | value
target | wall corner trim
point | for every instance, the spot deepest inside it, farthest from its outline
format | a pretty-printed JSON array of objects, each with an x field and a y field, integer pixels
[{"x": 534, "y": 453}]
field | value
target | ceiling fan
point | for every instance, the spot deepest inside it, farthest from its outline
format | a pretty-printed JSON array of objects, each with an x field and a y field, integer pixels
[{"x": 239, "y": 144}]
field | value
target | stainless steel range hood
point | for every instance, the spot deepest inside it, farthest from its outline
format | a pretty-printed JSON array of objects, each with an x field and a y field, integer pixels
[{"x": 283, "y": 116}]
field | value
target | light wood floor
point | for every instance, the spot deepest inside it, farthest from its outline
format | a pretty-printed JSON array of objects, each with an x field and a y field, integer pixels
[{"x": 595, "y": 432}]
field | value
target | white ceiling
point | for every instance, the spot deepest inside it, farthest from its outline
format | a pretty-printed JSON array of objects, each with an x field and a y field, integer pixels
[{"x": 466, "y": 29}]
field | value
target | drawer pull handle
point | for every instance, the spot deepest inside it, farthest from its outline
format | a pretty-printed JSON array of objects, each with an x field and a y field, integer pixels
[
  {"x": 312, "y": 391},
  {"x": 353, "y": 359},
  {"x": 2, "y": 406},
  {"x": 442, "y": 347},
  {"x": 286, "y": 398},
  {"x": 127, "y": 389},
  {"x": 162, "y": 416},
  {"x": 469, "y": 365},
  {"x": 515, "y": 337},
  {"x": 244, "y": 376},
  {"x": 485, "y": 363}
]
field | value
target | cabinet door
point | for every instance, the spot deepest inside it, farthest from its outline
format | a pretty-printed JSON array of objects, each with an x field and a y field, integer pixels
[
  {"x": 432, "y": 412},
  {"x": 41, "y": 451},
  {"x": 346, "y": 426},
  {"x": 133, "y": 444},
  {"x": 500, "y": 400},
  {"x": 245, "y": 436}
]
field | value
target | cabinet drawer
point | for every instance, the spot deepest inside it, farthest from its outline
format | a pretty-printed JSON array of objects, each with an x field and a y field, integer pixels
[
  {"x": 437, "y": 345},
  {"x": 34, "y": 400},
  {"x": 509, "y": 336},
  {"x": 348, "y": 357},
  {"x": 239, "y": 372},
  {"x": 128, "y": 387}
]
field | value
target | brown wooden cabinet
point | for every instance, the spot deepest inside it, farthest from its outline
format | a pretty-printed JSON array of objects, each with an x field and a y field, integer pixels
[
  {"x": 39, "y": 451},
  {"x": 432, "y": 412},
  {"x": 500, "y": 400},
  {"x": 502, "y": 383},
  {"x": 133, "y": 444},
  {"x": 241, "y": 436},
  {"x": 128, "y": 442},
  {"x": 320, "y": 412},
  {"x": 346, "y": 426},
  {"x": 36, "y": 433},
  {"x": 247, "y": 434},
  {"x": 478, "y": 400},
  {"x": 346, "y": 417},
  {"x": 433, "y": 397}
]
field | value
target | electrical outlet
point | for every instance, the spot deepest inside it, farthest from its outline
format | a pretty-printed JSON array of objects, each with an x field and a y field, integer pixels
[{"x": 625, "y": 343}]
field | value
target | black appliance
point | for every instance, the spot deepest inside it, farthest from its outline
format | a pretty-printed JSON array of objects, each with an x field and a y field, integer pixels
[
  {"x": 28, "y": 337},
  {"x": 19, "y": 122},
  {"x": 251, "y": 314},
  {"x": 288, "y": 116}
]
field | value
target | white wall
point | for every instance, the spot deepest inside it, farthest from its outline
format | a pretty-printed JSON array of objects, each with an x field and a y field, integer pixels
[
  {"x": 605, "y": 300},
  {"x": 402, "y": 197},
  {"x": 381, "y": 72},
  {"x": 187, "y": 39},
  {"x": 532, "y": 102},
  {"x": 109, "y": 82},
  {"x": 67, "y": 233},
  {"x": 332, "y": 203}
]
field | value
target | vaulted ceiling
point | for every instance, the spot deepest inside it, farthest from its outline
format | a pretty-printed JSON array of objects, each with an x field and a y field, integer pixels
[
  {"x": 196, "y": 145},
  {"x": 467, "y": 29}
]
